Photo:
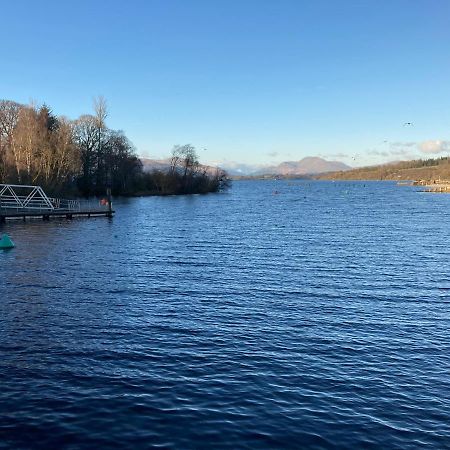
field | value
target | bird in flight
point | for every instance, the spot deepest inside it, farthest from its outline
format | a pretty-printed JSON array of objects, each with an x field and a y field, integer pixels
[{"x": 408, "y": 124}]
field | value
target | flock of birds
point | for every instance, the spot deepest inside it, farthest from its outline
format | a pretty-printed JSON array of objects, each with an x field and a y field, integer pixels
[{"x": 405, "y": 124}]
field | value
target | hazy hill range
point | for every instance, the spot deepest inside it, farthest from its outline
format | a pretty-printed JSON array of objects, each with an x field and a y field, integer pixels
[
  {"x": 163, "y": 165},
  {"x": 237, "y": 169},
  {"x": 428, "y": 169},
  {"x": 310, "y": 165},
  {"x": 149, "y": 165}
]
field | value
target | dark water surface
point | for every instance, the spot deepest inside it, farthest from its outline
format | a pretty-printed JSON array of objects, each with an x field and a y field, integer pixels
[{"x": 315, "y": 318}]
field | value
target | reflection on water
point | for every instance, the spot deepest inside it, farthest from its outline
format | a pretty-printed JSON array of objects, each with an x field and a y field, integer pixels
[{"x": 314, "y": 317}]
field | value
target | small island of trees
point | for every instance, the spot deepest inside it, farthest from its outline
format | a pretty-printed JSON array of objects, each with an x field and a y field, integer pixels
[{"x": 83, "y": 157}]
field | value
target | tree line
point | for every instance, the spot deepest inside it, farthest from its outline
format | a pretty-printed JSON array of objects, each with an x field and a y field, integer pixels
[
  {"x": 84, "y": 157},
  {"x": 419, "y": 169}
]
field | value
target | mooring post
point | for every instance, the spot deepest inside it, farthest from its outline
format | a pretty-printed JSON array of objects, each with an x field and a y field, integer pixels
[{"x": 108, "y": 195}]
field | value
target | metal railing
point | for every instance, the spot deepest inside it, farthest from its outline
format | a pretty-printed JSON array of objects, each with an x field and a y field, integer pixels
[{"x": 21, "y": 198}]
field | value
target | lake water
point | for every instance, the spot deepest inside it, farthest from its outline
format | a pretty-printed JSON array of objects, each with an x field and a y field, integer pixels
[{"x": 315, "y": 317}]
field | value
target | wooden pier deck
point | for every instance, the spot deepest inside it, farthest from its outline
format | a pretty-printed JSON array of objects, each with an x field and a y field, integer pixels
[
  {"x": 31, "y": 202},
  {"x": 47, "y": 215},
  {"x": 442, "y": 186}
]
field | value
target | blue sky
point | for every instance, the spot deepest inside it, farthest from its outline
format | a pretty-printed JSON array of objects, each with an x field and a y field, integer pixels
[{"x": 253, "y": 81}]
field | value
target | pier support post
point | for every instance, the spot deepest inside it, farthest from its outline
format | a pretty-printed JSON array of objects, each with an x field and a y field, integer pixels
[{"x": 108, "y": 195}]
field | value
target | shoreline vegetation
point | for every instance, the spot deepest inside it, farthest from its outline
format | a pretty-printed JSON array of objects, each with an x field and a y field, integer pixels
[
  {"x": 423, "y": 171},
  {"x": 83, "y": 157}
]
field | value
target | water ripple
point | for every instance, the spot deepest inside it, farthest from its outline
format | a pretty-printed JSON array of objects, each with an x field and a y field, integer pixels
[{"x": 316, "y": 318}]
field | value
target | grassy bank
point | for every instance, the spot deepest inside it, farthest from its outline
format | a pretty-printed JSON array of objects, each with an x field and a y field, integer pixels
[{"x": 428, "y": 169}]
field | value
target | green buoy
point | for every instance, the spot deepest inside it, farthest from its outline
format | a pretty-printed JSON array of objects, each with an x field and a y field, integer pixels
[{"x": 6, "y": 242}]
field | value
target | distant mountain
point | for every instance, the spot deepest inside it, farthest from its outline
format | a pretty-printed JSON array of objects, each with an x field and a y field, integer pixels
[
  {"x": 149, "y": 165},
  {"x": 163, "y": 165},
  {"x": 239, "y": 169},
  {"x": 311, "y": 165}
]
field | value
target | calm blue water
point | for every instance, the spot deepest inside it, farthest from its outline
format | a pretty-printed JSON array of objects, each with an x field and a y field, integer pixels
[{"x": 315, "y": 318}]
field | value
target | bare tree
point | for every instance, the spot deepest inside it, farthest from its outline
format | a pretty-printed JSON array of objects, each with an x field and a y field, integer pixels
[
  {"x": 184, "y": 162},
  {"x": 9, "y": 116},
  {"x": 101, "y": 111},
  {"x": 86, "y": 139},
  {"x": 60, "y": 156},
  {"x": 184, "y": 157},
  {"x": 26, "y": 144}
]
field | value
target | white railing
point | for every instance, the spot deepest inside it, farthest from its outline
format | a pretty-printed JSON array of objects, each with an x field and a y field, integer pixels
[{"x": 22, "y": 198}]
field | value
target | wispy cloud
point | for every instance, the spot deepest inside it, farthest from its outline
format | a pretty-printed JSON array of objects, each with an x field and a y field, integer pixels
[
  {"x": 374, "y": 152},
  {"x": 402, "y": 144},
  {"x": 408, "y": 150},
  {"x": 338, "y": 155},
  {"x": 272, "y": 154},
  {"x": 434, "y": 146},
  {"x": 401, "y": 152},
  {"x": 397, "y": 150}
]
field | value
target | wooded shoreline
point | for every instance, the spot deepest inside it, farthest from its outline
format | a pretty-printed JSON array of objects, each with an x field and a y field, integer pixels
[
  {"x": 415, "y": 170},
  {"x": 83, "y": 157}
]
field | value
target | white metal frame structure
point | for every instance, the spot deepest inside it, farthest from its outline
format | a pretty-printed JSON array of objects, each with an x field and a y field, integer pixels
[
  {"x": 16, "y": 196},
  {"x": 21, "y": 199}
]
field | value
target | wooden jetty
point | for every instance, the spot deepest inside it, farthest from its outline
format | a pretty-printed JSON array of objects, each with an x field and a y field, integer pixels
[
  {"x": 434, "y": 185},
  {"x": 437, "y": 188},
  {"x": 31, "y": 202}
]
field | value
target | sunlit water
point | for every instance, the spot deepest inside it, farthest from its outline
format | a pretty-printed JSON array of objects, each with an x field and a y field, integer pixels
[{"x": 315, "y": 317}]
